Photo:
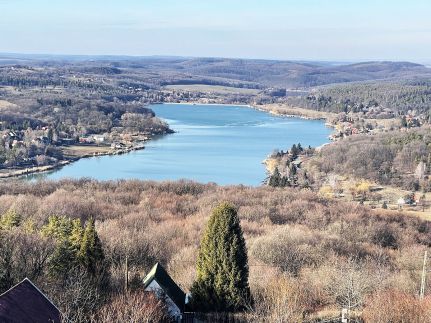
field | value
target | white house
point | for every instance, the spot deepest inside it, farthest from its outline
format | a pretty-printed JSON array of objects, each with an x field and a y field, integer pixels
[
  {"x": 159, "y": 282},
  {"x": 99, "y": 139}
]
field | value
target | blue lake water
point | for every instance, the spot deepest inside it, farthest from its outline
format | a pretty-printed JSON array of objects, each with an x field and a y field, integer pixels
[{"x": 213, "y": 143}]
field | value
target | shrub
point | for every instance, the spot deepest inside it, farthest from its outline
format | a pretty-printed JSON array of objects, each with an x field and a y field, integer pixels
[
  {"x": 134, "y": 307},
  {"x": 395, "y": 306},
  {"x": 290, "y": 248},
  {"x": 385, "y": 236}
]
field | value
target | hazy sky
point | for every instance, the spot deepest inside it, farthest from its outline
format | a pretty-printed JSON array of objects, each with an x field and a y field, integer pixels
[{"x": 283, "y": 29}]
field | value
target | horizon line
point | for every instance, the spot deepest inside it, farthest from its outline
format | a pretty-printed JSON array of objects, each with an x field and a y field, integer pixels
[{"x": 136, "y": 56}]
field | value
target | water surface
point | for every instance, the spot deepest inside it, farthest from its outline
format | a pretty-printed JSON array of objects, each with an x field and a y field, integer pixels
[{"x": 213, "y": 143}]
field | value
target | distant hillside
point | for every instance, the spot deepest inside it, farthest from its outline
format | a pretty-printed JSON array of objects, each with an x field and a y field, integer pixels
[
  {"x": 251, "y": 73},
  {"x": 295, "y": 74},
  {"x": 400, "y": 96}
]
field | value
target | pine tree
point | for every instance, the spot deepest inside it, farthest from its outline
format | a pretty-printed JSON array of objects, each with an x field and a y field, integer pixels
[
  {"x": 222, "y": 268},
  {"x": 91, "y": 254},
  {"x": 294, "y": 151},
  {"x": 76, "y": 235},
  {"x": 275, "y": 178},
  {"x": 10, "y": 219},
  {"x": 58, "y": 227},
  {"x": 300, "y": 149},
  {"x": 62, "y": 260}
]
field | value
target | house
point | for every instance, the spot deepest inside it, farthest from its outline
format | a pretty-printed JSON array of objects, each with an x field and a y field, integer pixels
[
  {"x": 86, "y": 140},
  {"x": 68, "y": 141},
  {"x": 118, "y": 145},
  {"x": 42, "y": 139},
  {"x": 159, "y": 282},
  {"x": 99, "y": 139},
  {"x": 25, "y": 303}
]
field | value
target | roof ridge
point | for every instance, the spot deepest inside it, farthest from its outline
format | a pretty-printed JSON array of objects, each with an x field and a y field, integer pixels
[
  {"x": 7, "y": 291},
  {"x": 26, "y": 279},
  {"x": 170, "y": 287}
]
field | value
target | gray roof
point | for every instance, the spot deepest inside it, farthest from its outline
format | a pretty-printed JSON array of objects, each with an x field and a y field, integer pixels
[
  {"x": 171, "y": 289},
  {"x": 25, "y": 303}
]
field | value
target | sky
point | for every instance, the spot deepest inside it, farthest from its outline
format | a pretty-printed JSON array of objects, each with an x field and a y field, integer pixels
[{"x": 343, "y": 30}]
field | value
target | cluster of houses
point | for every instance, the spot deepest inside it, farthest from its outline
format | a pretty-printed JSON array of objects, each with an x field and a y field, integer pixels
[
  {"x": 92, "y": 139},
  {"x": 25, "y": 303},
  {"x": 411, "y": 121},
  {"x": 347, "y": 128},
  {"x": 13, "y": 139},
  {"x": 377, "y": 112}
]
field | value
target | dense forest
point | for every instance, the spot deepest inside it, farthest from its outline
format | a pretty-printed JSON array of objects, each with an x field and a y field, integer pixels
[
  {"x": 249, "y": 73},
  {"x": 380, "y": 99},
  {"x": 308, "y": 257}
]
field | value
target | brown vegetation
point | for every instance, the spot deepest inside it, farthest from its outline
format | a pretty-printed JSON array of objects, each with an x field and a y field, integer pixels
[
  {"x": 393, "y": 158},
  {"x": 308, "y": 255}
]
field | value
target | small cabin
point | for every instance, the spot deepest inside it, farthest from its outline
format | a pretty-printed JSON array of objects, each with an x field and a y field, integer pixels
[
  {"x": 159, "y": 282},
  {"x": 25, "y": 303}
]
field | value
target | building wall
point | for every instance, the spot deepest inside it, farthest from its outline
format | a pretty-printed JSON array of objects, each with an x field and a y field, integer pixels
[{"x": 173, "y": 309}]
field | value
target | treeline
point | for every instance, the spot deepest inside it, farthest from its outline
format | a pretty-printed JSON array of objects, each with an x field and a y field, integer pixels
[
  {"x": 383, "y": 99},
  {"x": 308, "y": 257}
]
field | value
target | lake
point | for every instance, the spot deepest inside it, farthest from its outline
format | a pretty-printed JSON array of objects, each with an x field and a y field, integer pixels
[{"x": 213, "y": 143}]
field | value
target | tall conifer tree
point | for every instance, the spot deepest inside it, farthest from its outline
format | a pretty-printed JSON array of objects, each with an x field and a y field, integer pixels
[
  {"x": 222, "y": 268},
  {"x": 91, "y": 253}
]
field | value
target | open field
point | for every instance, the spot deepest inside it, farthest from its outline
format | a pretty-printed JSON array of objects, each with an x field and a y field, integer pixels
[
  {"x": 286, "y": 110},
  {"x": 5, "y": 104},
  {"x": 388, "y": 194},
  {"x": 82, "y": 151}
]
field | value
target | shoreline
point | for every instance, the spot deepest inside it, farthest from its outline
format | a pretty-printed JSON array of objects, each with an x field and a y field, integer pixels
[
  {"x": 263, "y": 108},
  {"x": 21, "y": 172},
  {"x": 25, "y": 171}
]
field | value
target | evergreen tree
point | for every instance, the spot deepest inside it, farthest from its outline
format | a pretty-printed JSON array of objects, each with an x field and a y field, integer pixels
[
  {"x": 62, "y": 260},
  {"x": 91, "y": 254},
  {"x": 76, "y": 235},
  {"x": 222, "y": 268},
  {"x": 10, "y": 219},
  {"x": 275, "y": 178},
  {"x": 284, "y": 182},
  {"x": 294, "y": 151},
  {"x": 300, "y": 149},
  {"x": 57, "y": 227},
  {"x": 6, "y": 252}
]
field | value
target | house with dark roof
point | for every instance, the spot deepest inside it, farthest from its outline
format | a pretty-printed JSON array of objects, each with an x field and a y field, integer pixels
[
  {"x": 25, "y": 303},
  {"x": 159, "y": 282}
]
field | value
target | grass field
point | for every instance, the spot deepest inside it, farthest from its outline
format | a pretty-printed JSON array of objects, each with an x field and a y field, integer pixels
[
  {"x": 282, "y": 109},
  {"x": 80, "y": 151},
  {"x": 391, "y": 195},
  {"x": 6, "y": 104}
]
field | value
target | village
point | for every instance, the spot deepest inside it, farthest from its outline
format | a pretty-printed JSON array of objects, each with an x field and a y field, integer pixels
[{"x": 43, "y": 148}]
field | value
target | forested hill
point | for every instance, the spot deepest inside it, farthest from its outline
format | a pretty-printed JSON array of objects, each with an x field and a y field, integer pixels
[
  {"x": 399, "y": 96},
  {"x": 250, "y": 73}
]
